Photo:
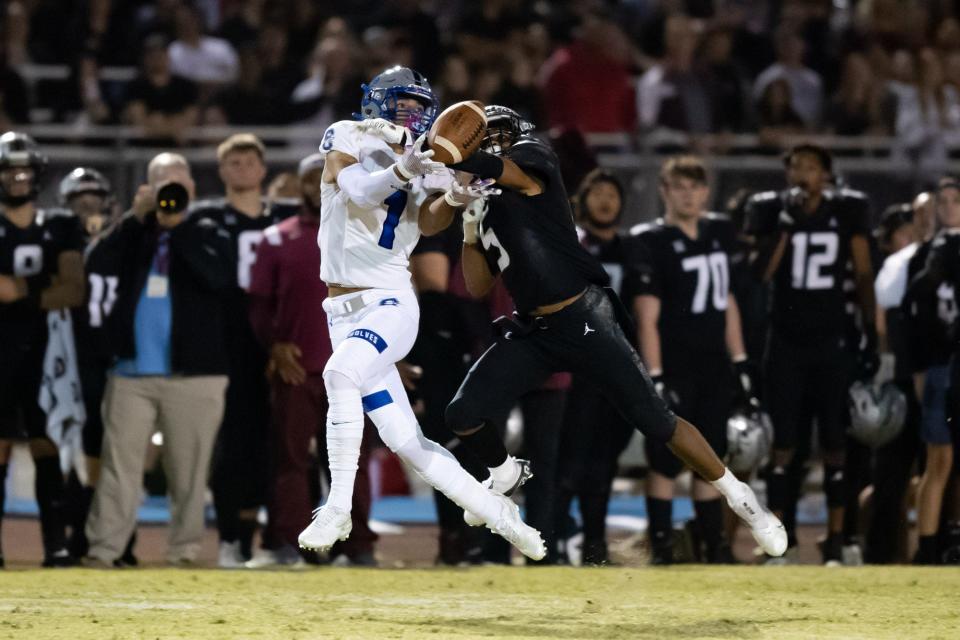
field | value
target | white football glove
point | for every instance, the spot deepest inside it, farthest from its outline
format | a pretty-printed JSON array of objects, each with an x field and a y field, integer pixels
[
  {"x": 460, "y": 195},
  {"x": 472, "y": 217},
  {"x": 386, "y": 131},
  {"x": 416, "y": 162}
]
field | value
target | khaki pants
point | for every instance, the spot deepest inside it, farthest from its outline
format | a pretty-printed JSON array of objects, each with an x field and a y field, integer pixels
[{"x": 187, "y": 410}]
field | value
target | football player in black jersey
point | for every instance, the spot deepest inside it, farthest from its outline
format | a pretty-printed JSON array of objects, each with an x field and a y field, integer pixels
[
  {"x": 565, "y": 320},
  {"x": 805, "y": 237},
  {"x": 689, "y": 332},
  {"x": 239, "y": 462},
  {"x": 41, "y": 268},
  {"x": 594, "y": 432},
  {"x": 86, "y": 192}
]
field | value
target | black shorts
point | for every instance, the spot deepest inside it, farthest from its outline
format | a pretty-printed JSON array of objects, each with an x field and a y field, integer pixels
[
  {"x": 804, "y": 382},
  {"x": 21, "y": 374},
  {"x": 583, "y": 338},
  {"x": 704, "y": 385}
]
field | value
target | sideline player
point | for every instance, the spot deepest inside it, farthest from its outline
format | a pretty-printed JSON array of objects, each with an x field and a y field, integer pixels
[
  {"x": 379, "y": 190},
  {"x": 805, "y": 238},
  {"x": 565, "y": 320},
  {"x": 239, "y": 474},
  {"x": 41, "y": 268},
  {"x": 689, "y": 331}
]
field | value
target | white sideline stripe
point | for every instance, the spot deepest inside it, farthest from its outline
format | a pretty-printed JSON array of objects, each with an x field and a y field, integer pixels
[
  {"x": 450, "y": 147},
  {"x": 140, "y": 605}
]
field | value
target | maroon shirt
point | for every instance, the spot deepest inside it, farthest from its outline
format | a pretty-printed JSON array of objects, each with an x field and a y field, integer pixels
[{"x": 286, "y": 292}]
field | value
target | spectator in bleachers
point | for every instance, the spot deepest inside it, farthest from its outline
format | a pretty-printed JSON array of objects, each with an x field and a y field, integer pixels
[
  {"x": 168, "y": 328},
  {"x": 927, "y": 120},
  {"x": 857, "y": 106},
  {"x": 587, "y": 85},
  {"x": 161, "y": 104},
  {"x": 724, "y": 80},
  {"x": 241, "y": 22},
  {"x": 332, "y": 85},
  {"x": 806, "y": 86},
  {"x": 204, "y": 59},
  {"x": 776, "y": 118},
  {"x": 246, "y": 102},
  {"x": 673, "y": 94},
  {"x": 14, "y": 100}
]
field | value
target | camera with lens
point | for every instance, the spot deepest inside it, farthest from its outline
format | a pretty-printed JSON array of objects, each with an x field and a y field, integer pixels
[{"x": 172, "y": 198}]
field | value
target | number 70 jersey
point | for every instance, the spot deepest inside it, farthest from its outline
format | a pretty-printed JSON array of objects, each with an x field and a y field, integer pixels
[{"x": 370, "y": 246}]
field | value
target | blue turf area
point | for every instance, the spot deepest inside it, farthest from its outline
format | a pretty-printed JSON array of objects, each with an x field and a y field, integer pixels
[{"x": 413, "y": 510}]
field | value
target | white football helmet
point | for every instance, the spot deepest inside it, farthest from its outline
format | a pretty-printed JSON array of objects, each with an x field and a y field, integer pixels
[
  {"x": 749, "y": 438},
  {"x": 877, "y": 412}
]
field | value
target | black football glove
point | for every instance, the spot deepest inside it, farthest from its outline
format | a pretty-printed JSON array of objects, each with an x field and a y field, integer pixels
[
  {"x": 868, "y": 360},
  {"x": 748, "y": 390},
  {"x": 669, "y": 395}
]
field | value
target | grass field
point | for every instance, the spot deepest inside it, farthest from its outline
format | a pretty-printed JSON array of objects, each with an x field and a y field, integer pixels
[{"x": 496, "y": 602}]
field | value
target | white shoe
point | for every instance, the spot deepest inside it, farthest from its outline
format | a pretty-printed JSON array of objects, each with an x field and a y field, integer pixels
[
  {"x": 523, "y": 474},
  {"x": 229, "y": 556},
  {"x": 329, "y": 525},
  {"x": 287, "y": 557},
  {"x": 766, "y": 528},
  {"x": 852, "y": 555},
  {"x": 517, "y": 532}
]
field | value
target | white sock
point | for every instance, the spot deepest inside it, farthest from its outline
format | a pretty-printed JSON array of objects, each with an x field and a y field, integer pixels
[
  {"x": 727, "y": 484},
  {"x": 507, "y": 473},
  {"x": 344, "y": 435},
  {"x": 441, "y": 470}
]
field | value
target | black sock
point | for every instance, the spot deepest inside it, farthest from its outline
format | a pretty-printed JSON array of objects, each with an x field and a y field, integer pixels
[
  {"x": 3, "y": 499},
  {"x": 49, "y": 489},
  {"x": 593, "y": 512},
  {"x": 487, "y": 445},
  {"x": 246, "y": 527},
  {"x": 777, "y": 489},
  {"x": 710, "y": 519},
  {"x": 660, "y": 518},
  {"x": 927, "y": 546}
]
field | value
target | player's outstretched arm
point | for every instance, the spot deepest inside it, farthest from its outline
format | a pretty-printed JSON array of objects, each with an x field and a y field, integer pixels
[
  {"x": 476, "y": 272},
  {"x": 436, "y": 214},
  {"x": 505, "y": 171}
]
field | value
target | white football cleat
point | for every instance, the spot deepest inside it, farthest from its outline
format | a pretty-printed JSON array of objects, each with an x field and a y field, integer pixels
[
  {"x": 517, "y": 532},
  {"x": 766, "y": 528},
  {"x": 329, "y": 525},
  {"x": 524, "y": 474}
]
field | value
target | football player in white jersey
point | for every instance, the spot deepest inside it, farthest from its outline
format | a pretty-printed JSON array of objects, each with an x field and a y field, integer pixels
[{"x": 379, "y": 191}]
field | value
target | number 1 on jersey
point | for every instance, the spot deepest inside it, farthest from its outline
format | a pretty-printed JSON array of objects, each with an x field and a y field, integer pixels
[{"x": 396, "y": 203}]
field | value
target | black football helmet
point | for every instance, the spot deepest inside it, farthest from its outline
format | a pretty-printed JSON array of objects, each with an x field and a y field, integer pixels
[
  {"x": 82, "y": 180},
  {"x": 504, "y": 127},
  {"x": 20, "y": 150}
]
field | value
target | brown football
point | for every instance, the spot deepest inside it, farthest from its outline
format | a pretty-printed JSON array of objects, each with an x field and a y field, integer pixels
[{"x": 457, "y": 132}]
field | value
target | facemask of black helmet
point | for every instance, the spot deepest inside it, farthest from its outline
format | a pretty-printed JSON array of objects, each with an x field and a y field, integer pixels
[{"x": 504, "y": 128}]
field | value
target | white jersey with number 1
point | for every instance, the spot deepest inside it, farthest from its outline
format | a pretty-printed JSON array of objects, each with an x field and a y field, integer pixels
[{"x": 370, "y": 247}]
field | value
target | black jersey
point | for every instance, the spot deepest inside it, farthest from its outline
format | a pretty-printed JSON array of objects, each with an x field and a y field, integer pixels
[
  {"x": 32, "y": 253},
  {"x": 691, "y": 277},
  {"x": 932, "y": 313},
  {"x": 809, "y": 303},
  {"x": 101, "y": 266},
  {"x": 532, "y": 240},
  {"x": 245, "y": 232},
  {"x": 612, "y": 255}
]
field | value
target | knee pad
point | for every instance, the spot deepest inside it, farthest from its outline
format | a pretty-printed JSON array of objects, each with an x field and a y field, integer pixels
[
  {"x": 834, "y": 484},
  {"x": 341, "y": 370},
  {"x": 462, "y": 415}
]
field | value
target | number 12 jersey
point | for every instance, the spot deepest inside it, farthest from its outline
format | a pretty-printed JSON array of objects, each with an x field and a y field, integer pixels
[{"x": 808, "y": 292}]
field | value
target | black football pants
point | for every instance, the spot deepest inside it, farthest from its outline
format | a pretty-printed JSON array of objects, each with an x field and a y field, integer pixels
[{"x": 583, "y": 338}]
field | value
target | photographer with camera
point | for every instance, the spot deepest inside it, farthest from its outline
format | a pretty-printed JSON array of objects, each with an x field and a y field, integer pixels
[{"x": 167, "y": 331}]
